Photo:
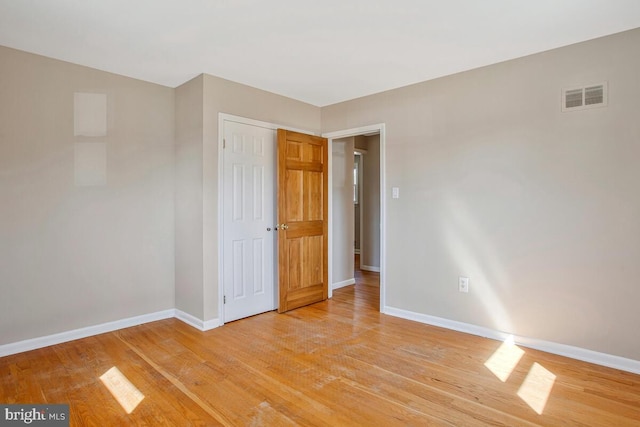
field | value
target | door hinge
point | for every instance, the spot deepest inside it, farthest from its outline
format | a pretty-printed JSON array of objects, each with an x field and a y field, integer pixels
[
  {"x": 224, "y": 299},
  {"x": 224, "y": 143}
]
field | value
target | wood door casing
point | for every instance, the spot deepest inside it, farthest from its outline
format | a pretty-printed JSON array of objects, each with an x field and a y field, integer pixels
[{"x": 302, "y": 176}]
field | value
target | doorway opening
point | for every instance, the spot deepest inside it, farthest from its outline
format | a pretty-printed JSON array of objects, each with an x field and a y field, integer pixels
[{"x": 357, "y": 207}]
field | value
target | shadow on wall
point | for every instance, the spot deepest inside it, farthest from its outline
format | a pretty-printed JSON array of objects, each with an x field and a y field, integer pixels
[{"x": 470, "y": 248}]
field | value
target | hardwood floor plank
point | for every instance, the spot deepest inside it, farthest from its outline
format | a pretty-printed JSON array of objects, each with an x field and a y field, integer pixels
[{"x": 334, "y": 363}]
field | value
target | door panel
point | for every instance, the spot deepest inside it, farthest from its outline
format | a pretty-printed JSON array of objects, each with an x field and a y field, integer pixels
[
  {"x": 294, "y": 188},
  {"x": 313, "y": 203},
  {"x": 302, "y": 214},
  {"x": 258, "y": 265},
  {"x": 248, "y": 213},
  {"x": 238, "y": 269}
]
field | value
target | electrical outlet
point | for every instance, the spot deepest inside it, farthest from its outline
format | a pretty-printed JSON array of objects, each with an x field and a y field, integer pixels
[{"x": 463, "y": 284}]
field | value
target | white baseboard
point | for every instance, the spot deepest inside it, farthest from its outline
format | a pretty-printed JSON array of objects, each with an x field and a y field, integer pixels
[
  {"x": 370, "y": 268},
  {"x": 40, "y": 342},
  {"x": 195, "y": 322},
  {"x": 343, "y": 284},
  {"x": 211, "y": 324},
  {"x": 578, "y": 353}
]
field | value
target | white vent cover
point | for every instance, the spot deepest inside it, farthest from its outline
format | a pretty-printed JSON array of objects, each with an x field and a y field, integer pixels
[{"x": 581, "y": 98}]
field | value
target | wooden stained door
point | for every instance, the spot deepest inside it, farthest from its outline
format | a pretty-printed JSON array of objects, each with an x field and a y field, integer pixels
[{"x": 302, "y": 177}]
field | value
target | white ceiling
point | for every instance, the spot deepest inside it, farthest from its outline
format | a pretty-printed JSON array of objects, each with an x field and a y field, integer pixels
[{"x": 317, "y": 51}]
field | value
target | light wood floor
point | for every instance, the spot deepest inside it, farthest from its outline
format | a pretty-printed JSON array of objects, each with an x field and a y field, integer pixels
[{"x": 335, "y": 363}]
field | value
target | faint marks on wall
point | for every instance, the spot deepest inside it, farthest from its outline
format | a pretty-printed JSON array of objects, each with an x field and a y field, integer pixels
[
  {"x": 90, "y": 157},
  {"x": 89, "y": 114},
  {"x": 90, "y": 161}
]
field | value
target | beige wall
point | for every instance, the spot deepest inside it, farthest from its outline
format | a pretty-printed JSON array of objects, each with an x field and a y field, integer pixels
[
  {"x": 147, "y": 240},
  {"x": 75, "y": 256},
  {"x": 199, "y": 212},
  {"x": 188, "y": 197},
  {"x": 539, "y": 208}
]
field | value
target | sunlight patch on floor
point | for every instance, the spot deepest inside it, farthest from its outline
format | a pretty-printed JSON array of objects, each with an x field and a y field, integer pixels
[
  {"x": 127, "y": 395},
  {"x": 505, "y": 359},
  {"x": 536, "y": 388}
]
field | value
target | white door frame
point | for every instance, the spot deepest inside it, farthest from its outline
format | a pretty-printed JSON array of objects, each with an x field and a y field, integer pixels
[
  {"x": 222, "y": 117},
  {"x": 383, "y": 204}
]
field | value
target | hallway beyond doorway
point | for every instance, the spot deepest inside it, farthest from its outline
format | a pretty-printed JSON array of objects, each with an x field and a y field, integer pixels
[{"x": 365, "y": 292}]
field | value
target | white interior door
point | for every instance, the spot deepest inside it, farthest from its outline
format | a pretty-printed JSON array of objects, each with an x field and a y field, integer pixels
[{"x": 248, "y": 220}]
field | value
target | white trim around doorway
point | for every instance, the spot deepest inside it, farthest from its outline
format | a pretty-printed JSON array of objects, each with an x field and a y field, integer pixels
[{"x": 376, "y": 128}]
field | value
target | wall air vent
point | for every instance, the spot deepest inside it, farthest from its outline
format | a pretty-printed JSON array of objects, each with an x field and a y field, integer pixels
[{"x": 581, "y": 98}]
